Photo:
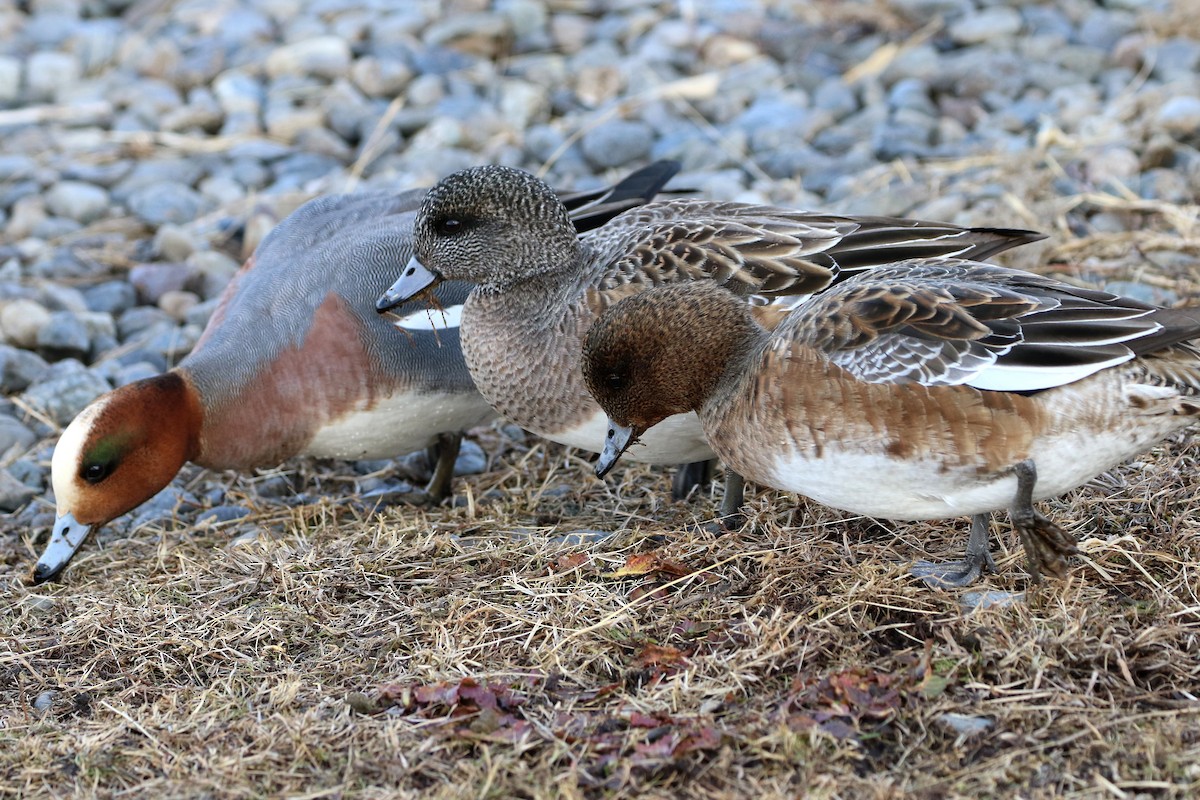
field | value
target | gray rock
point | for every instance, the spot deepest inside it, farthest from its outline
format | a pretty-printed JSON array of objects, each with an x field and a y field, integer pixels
[
  {"x": 1180, "y": 117},
  {"x": 19, "y": 368},
  {"x": 986, "y": 25},
  {"x": 49, "y": 73},
  {"x": 322, "y": 57},
  {"x": 79, "y": 201},
  {"x": 138, "y": 371},
  {"x": 174, "y": 242},
  {"x": 112, "y": 297},
  {"x": 14, "y": 435},
  {"x": 57, "y": 297},
  {"x": 29, "y": 473},
  {"x": 54, "y": 228},
  {"x": 20, "y": 321},
  {"x": 221, "y": 514},
  {"x": 617, "y": 143},
  {"x": 161, "y": 203},
  {"x": 64, "y": 396},
  {"x": 1177, "y": 57},
  {"x": 836, "y": 98},
  {"x": 14, "y": 167},
  {"x": 141, "y": 319},
  {"x": 10, "y": 79},
  {"x": 174, "y": 343},
  {"x": 152, "y": 281},
  {"x": 200, "y": 313},
  {"x": 65, "y": 336}
]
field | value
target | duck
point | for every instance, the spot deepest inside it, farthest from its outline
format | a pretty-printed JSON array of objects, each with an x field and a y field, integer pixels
[
  {"x": 295, "y": 361},
  {"x": 538, "y": 287},
  {"x": 920, "y": 390}
]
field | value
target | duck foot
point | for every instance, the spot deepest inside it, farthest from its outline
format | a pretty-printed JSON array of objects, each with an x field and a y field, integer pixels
[
  {"x": 1046, "y": 544},
  {"x": 690, "y": 477},
  {"x": 956, "y": 574}
]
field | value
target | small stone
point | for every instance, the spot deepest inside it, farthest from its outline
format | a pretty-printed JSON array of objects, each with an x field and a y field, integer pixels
[
  {"x": 246, "y": 539},
  {"x": 29, "y": 473},
  {"x": 359, "y": 703},
  {"x": 987, "y": 25},
  {"x": 161, "y": 203},
  {"x": 177, "y": 303},
  {"x": 19, "y": 368},
  {"x": 238, "y": 93},
  {"x": 112, "y": 297},
  {"x": 62, "y": 397},
  {"x": 76, "y": 200},
  {"x": 174, "y": 242},
  {"x": 50, "y": 73},
  {"x": 221, "y": 514},
  {"x": 617, "y": 143},
  {"x": 38, "y": 603},
  {"x": 125, "y": 375},
  {"x": 20, "y": 321},
  {"x": 1180, "y": 116},
  {"x": 64, "y": 336},
  {"x": 44, "y": 701},
  {"x": 152, "y": 281},
  {"x": 14, "y": 435},
  {"x": 321, "y": 57},
  {"x": 471, "y": 459},
  {"x": 13, "y": 493},
  {"x": 10, "y": 79},
  {"x": 973, "y": 601},
  {"x": 141, "y": 319},
  {"x": 380, "y": 77}
]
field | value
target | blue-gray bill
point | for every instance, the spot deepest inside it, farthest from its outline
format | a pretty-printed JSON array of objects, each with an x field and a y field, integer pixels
[
  {"x": 413, "y": 280},
  {"x": 615, "y": 443},
  {"x": 66, "y": 538}
]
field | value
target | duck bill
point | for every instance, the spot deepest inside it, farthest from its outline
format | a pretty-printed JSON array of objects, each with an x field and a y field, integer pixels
[
  {"x": 65, "y": 540},
  {"x": 615, "y": 443},
  {"x": 414, "y": 280}
]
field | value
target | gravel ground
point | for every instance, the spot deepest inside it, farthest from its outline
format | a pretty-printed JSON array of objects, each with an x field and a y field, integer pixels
[{"x": 149, "y": 145}]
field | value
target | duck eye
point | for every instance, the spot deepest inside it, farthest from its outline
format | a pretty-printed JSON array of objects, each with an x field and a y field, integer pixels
[
  {"x": 94, "y": 473},
  {"x": 448, "y": 226},
  {"x": 615, "y": 381}
]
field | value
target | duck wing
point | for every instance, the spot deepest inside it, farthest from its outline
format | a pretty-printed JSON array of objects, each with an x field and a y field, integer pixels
[{"x": 961, "y": 322}]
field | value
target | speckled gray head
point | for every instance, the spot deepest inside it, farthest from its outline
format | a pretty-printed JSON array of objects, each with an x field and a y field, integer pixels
[{"x": 495, "y": 226}]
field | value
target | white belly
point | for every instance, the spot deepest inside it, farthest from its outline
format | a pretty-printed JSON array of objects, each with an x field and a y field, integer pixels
[
  {"x": 880, "y": 486},
  {"x": 675, "y": 440},
  {"x": 398, "y": 425}
]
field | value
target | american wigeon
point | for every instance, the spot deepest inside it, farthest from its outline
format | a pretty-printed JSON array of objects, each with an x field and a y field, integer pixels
[
  {"x": 295, "y": 361},
  {"x": 916, "y": 391},
  {"x": 539, "y": 286}
]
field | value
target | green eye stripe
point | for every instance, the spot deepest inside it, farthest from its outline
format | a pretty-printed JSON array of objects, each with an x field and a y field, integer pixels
[{"x": 107, "y": 450}]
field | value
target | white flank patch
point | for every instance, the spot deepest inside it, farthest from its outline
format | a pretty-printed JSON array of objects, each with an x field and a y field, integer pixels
[
  {"x": 398, "y": 425},
  {"x": 676, "y": 440},
  {"x": 429, "y": 319}
]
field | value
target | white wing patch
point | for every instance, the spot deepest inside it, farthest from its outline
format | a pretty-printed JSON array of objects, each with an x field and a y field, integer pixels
[{"x": 430, "y": 319}]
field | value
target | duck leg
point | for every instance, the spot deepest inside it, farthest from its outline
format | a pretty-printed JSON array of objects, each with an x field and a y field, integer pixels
[
  {"x": 735, "y": 490},
  {"x": 690, "y": 476},
  {"x": 965, "y": 572},
  {"x": 445, "y": 449},
  {"x": 1046, "y": 544}
]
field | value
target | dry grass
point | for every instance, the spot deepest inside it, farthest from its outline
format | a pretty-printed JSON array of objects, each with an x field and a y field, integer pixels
[
  {"x": 474, "y": 651},
  {"x": 471, "y": 651}
]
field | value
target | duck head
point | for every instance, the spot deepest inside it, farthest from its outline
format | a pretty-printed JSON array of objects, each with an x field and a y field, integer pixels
[
  {"x": 116, "y": 454},
  {"x": 493, "y": 226},
  {"x": 659, "y": 353}
]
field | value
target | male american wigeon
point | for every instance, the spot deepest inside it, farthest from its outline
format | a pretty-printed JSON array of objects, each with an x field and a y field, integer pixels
[
  {"x": 916, "y": 391},
  {"x": 296, "y": 361},
  {"x": 539, "y": 286}
]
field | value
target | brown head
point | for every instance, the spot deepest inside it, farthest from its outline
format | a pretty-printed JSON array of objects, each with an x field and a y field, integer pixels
[
  {"x": 494, "y": 226},
  {"x": 115, "y": 455},
  {"x": 662, "y": 352}
]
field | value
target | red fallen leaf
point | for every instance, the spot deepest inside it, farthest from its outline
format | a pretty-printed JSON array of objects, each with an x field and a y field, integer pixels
[
  {"x": 639, "y": 720},
  {"x": 659, "y": 655},
  {"x": 570, "y": 561},
  {"x": 705, "y": 738},
  {"x": 482, "y": 696},
  {"x": 396, "y": 694},
  {"x": 444, "y": 693},
  {"x": 663, "y": 747}
]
